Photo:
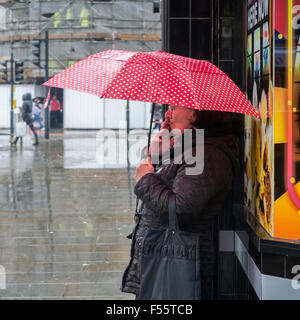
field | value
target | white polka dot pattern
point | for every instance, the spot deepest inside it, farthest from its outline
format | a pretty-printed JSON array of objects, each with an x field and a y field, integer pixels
[{"x": 155, "y": 77}]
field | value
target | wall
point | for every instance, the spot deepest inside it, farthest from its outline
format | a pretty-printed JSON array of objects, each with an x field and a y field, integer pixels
[
  {"x": 5, "y": 101},
  {"x": 86, "y": 111},
  {"x": 81, "y": 110}
]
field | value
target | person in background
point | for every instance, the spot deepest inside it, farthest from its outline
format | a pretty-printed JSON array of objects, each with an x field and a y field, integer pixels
[
  {"x": 36, "y": 112},
  {"x": 55, "y": 109},
  {"x": 69, "y": 13},
  {"x": 57, "y": 21},
  {"x": 157, "y": 115},
  {"x": 84, "y": 16},
  {"x": 27, "y": 117}
]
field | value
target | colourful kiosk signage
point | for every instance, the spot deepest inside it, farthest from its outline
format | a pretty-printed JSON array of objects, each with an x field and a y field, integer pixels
[{"x": 272, "y": 143}]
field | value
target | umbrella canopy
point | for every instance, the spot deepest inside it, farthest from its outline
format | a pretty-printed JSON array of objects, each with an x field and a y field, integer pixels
[{"x": 158, "y": 77}]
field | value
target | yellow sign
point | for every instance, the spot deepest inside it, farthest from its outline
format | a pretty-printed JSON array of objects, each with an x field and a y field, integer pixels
[{"x": 14, "y": 104}]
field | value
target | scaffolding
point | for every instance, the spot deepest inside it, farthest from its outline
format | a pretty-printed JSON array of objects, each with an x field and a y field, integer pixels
[{"x": 77, "y": 29}]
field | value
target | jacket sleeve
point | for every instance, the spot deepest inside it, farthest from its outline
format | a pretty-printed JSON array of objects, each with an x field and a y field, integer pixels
[
  {"x": 24, "y": 109},
  {"x": 192, "y": 192}
]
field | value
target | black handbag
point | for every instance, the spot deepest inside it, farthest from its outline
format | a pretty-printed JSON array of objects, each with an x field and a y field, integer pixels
[{"x": 170, "y": 262}]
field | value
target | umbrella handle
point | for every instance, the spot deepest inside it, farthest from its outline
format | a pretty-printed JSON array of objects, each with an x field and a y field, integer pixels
[{"x": 150, "y": 128}]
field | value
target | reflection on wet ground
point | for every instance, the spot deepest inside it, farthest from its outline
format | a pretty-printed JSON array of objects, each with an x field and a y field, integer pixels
[{"x": 63, "y": 220}]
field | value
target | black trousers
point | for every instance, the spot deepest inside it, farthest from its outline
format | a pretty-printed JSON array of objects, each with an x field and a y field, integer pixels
[{"x": 54, "y": 121}]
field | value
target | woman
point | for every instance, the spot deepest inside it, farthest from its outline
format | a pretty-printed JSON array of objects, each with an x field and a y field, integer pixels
[
  {"x": 36, "y": 112},
  {"x": 55, "y": 112},
  {"x": 199, "y": 197},
  {"x": 27, "y": 117},
  {"x": 157, "y": 116}
]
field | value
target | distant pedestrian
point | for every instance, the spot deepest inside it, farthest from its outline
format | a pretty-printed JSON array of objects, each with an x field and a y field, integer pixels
[
  {"x": 55, "y": 112},
  {"x": 36, "y": 112},
  {"x": 84, "y": 16},
  {"x": 27, "y": 117},
  {"x": 157, "y": 115}
]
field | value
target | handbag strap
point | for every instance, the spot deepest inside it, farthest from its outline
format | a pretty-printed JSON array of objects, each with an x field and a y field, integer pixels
[
  {"x": 137, "y": 206},
  {"x": 173, "y": 222}
]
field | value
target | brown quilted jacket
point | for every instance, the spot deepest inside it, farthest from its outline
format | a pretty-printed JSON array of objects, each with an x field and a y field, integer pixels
[{"x": 199, "y": 199}]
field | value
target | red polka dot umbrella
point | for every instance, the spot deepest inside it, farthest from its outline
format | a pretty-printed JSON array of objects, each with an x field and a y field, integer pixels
[{"x": 157, "y": 77}]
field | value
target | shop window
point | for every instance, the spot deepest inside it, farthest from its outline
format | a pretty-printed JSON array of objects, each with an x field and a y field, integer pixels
[
  {"x": 201, "y": 8},
  {"x": 179, "y": 8},
  {"x": 249, "y": 74},
  {"x": 201, "y": 39},
  {"x": 226, "y": 49},
  {"x": 179, "y": 41},
  {"x": 226, "y": 67},
  {"x": 227, "y": 8}
]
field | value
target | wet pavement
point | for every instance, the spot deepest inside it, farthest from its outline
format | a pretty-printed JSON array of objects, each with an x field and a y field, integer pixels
[{"x": 64, "y": 217}]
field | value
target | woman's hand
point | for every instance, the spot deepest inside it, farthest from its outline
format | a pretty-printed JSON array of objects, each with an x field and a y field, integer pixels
[
  {"x": 156, "y": 146},
  {"x": 144, "y": 168},
  {"x": 166, "y": 124}
]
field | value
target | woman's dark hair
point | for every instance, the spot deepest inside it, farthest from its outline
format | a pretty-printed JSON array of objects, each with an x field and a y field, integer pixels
[{"x": 217, "y": 123}]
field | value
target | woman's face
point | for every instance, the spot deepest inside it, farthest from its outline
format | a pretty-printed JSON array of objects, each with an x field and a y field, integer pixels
[{"x": 181, "y": 117}]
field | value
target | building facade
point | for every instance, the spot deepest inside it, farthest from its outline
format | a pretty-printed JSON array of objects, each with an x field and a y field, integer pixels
[
  {"x": 256, "y": 42},
  {"x": 77, "y": 29}
]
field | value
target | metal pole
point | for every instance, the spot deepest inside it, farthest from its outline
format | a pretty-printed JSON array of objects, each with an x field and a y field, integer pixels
[
  {"x": 47, "y": 122},
  {"x": 127, "y": 130},
  {"x": 11, "y": 95},
  {"x": 165, "y": 23},
  {"x": 127, "y": 117}
]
